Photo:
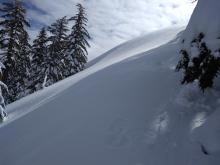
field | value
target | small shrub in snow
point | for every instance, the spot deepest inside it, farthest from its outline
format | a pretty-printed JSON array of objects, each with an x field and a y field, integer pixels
[{"x": 199, "y": 64}]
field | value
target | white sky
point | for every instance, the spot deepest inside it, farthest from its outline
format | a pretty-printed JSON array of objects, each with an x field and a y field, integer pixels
[{"x": 112, "y": 22}]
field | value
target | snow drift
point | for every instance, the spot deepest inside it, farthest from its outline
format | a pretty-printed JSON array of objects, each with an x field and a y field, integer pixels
[
  {"x": 119, "y": 111},
  {"x": 205, "y": 19}
]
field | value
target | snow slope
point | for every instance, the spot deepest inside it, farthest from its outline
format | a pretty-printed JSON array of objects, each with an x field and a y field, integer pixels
[
  {"x": 121, "y": 52},
  {"x": 127, "y": 108},
  {"x": 207, "y": 22}
]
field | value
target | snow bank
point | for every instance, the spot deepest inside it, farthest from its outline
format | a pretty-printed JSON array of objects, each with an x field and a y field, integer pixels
[
  {"x": 208, "y": 135},
  {"x": 116, "y": 55},
  {"x": 112, "y": 116},
  {"x": 122, "y": 110},
  {"x": 205, "y": 19}
]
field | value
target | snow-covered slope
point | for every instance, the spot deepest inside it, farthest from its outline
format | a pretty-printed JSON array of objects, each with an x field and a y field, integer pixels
[
  {"x": 127, "y": 108},
  {"x": 207, "y": 22},
  {"x": 205, "y": 19},
  {"x": 121, "y": 52}
]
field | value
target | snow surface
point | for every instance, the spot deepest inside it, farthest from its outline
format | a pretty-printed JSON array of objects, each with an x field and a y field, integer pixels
[
  {"x": 126, "y": 108},
  {"x": 205, "y": 19}
]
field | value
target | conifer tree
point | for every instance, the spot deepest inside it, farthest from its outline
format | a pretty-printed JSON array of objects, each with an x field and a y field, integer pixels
[
  {"x": 57, "y": 47},
  {"x": 15, "y": 47},
  {"x": 76, "y": 54},
  {"x": 3, "y": 114},
  {"x": 40, "y": 61},
  {"x": 1, "y": 39},
  {"x": 24, "y": 66}
]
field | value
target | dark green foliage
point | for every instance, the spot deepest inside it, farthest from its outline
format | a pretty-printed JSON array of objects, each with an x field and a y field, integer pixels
[
  {"x": 204, "y": 67},
  {"x": 57, "y": 47},
  {"x": 50, "y": 59},
  {"x": 184, "y": 62},
  {"x": 76, "y": 54},
  {"x": 210, "y": 71},
  {"x": 40, "y": 61},
  {"x": 15, "y": 46}
]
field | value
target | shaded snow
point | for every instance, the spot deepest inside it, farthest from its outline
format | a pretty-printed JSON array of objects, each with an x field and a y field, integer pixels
[
  {"x": 205, "y": 19},
  {"x": 129, "y": 49},
  {"x": 127, "y": 108},
  {"x": 209, "y": 134},
  {"x": 207, "y": 22}
]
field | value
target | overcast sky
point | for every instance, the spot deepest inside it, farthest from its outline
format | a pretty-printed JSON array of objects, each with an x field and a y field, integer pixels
[{"x": 112, "y": 22}]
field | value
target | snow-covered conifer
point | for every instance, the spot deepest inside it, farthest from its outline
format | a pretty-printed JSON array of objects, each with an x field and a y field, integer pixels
[
  {"x": 200, "y": 56},
  {"x": 57, "y": 47},
  {"x": 77, "y": 47},
  {"x": 40, "y": 61},
  {"x": 15, "y": 48},
  {"x": 3, "y": 114}
]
